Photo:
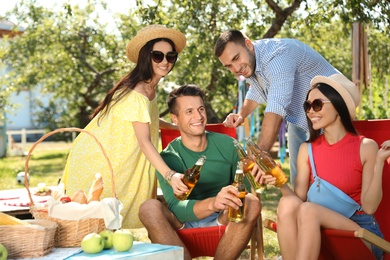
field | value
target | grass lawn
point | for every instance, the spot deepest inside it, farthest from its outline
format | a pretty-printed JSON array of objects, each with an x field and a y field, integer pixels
[
  {"x": 44, "y": 166},
  {"x": 48, "y": 160}
]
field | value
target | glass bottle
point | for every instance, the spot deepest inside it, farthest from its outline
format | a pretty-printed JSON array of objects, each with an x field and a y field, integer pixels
[
  {"x": 238, "y": 215},
  {"x": 247, "y": 166},
  {"x": 266, "y": 163},
  {"x": 191, "y": 177}
]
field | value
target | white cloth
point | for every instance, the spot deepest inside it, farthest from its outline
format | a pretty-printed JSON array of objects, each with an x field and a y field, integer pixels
[{"x": 108, "y": 209}]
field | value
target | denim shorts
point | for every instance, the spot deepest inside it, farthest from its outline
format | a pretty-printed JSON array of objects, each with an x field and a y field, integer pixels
[
  {"x": 210, "y": 221},
  {"x": 369, "y": 222}
]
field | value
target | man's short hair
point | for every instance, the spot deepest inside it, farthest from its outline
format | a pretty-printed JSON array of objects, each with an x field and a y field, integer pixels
[
  {"x": 190, "y": 90},
  {"x": 228, "y": 36}
]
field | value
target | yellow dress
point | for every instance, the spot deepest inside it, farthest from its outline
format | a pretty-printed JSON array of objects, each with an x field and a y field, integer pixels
[{"x": 134, "y": 175}]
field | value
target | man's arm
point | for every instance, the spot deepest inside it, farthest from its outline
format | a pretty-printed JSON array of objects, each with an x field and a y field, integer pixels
[
  {"x": 235, "y": 120},
  {"x": 269, "y": 130},
  {"x": 167, "y": 125}
]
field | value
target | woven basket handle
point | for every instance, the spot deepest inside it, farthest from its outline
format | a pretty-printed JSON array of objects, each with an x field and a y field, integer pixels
[{"x": 61, "y": 130}]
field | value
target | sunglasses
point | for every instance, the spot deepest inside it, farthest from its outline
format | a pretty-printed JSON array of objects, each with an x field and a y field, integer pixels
[
  {"x": 158, "y": 56},
  {"x": 317, "y": 105}
]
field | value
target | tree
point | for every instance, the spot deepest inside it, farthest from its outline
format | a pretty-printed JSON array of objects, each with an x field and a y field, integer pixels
[{"x": 71, "y": 54}]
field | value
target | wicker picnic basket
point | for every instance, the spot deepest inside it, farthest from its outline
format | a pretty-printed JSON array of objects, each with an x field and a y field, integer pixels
[
  {"x": 28, "y": 241},
  {"x": 69, "y": 232}
]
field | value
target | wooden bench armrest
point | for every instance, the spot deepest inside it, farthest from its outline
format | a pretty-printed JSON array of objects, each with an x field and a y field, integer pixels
[{"x": 373, "y": 239}]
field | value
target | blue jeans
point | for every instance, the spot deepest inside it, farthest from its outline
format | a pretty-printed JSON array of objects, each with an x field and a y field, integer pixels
[
  {"x": 210, "y": 221},
  {"x": 295, "y": 137},
  {"x": 369, "y": 222}
]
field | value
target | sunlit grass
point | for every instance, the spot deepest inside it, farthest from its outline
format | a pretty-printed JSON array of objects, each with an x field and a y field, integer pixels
[{"x": 43, "y": 166}]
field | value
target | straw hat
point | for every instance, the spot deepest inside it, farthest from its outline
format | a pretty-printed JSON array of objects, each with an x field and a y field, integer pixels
[
  {"x": 152, "y": 32},
  {"x": 346, "y": 88}
]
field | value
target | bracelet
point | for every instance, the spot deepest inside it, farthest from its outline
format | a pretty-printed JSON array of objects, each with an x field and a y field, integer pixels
[{"x": 170, "y": 173}]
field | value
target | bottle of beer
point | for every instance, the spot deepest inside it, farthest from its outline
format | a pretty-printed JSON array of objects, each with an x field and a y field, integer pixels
[
  {"x": 247, "y": 166},
  {"x": 266, "y": 163},
  {"x": 191, "y": 177},
  {"x": 238, "y": 215}
]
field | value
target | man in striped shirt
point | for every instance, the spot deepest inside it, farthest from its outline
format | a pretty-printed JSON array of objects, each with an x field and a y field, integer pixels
[{"x": 279, "y": 72}]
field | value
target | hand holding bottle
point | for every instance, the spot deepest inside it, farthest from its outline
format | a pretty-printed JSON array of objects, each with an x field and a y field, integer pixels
[
  {"x": 227, "y": 197},
  {"x": 267, "y": 164},
  {"x": 249, "y": 166},
  {"x": 262, "y": 178},
  {"x": 191, "y": 177},
  {"x": 234, "y": 214},
  {"x": 178, "y": 187}
]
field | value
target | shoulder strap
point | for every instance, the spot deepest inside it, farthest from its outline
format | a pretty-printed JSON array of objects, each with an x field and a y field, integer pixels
[{"x": 313, "y": 166}]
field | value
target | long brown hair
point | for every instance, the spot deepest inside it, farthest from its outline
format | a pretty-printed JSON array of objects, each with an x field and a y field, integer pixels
[
  {"x": 143, "y": 71},
  {"x": 340, "y": 106}
]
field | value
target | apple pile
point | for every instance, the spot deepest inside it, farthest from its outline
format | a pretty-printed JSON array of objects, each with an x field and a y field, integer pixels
[
  {"x": 121, "y": 240},
  {"x": 3, "y": 252}
]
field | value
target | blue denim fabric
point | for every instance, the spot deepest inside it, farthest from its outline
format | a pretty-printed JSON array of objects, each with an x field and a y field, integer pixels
[
  {"x": 296, "y": 136},
  {"x": 369, "y": 222},
  {"x": 210, "y": 221}
]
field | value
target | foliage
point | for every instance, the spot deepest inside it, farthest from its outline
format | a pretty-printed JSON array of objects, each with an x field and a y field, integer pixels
[{"x": 72, "y": 54}]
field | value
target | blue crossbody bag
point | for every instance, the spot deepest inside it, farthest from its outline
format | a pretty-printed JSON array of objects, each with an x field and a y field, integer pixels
[{"x": 326, "y": 194}]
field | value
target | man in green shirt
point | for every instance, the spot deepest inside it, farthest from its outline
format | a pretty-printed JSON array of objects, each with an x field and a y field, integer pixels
[{"x": 208, "y": 202}]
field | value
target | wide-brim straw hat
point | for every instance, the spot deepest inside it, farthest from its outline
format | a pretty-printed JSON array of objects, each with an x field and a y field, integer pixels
[
  {"x": 346, "y": 88},
  {"x": 152, "y": 32}
]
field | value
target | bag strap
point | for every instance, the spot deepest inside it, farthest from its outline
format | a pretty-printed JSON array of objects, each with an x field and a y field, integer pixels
[{"x": 313, "y": 166}]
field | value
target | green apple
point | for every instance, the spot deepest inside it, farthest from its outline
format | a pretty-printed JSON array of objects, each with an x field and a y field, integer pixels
[
  {"x": 3, "y": 252},
  {"x": 92, "y": 243},
  {"x": 107, "y": 236},
  {"x": 122, "y": 240}
]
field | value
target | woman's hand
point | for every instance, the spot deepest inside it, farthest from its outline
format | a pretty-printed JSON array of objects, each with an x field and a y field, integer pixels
[
  {"x": 261, "y": 177},
  {"x": 178, "y": 187},
  {"x": 384, "y": 151}
]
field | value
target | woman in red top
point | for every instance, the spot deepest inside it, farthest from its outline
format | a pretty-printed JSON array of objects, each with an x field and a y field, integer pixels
[{"x": 341, "y": 157}]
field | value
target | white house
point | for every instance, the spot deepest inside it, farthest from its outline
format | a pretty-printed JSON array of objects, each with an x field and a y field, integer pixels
[{"x": 25, "y": 100}]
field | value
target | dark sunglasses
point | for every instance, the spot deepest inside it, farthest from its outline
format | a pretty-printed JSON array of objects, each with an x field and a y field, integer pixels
[
  {"x": 158, "y": 56},
  {"x": 317, "y": 105}
]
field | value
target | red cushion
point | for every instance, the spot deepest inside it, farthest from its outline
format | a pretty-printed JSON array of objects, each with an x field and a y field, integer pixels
[
  {"x": 168, "y": 135},
  {"x": 342, "y": 244},
  {"x": 201, "y": 241},
  {"x": 379, "y": 130}
]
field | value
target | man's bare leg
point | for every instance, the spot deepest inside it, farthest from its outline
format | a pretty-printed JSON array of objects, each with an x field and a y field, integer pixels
[
  {"x": 237, "y": 235},
  {"x": 161, "y": 224}
]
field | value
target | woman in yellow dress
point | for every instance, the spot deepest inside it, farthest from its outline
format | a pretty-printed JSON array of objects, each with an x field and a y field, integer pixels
[{"x": 127, "y": 125}]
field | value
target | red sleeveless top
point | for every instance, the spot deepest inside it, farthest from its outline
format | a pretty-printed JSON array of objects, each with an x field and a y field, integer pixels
[{"x": 340, "y": 164}]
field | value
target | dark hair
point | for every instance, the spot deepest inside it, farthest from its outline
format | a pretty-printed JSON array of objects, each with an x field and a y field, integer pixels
[
  {"x": 188, "y": 90},
  {"x": 143, "y": 71},
  {"x": 340, "y": 106},
  {"x": 226, "y": 37}
]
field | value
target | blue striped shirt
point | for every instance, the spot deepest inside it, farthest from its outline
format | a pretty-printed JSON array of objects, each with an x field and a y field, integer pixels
[{"x": 284, "y": 69}]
